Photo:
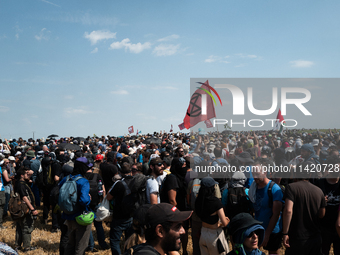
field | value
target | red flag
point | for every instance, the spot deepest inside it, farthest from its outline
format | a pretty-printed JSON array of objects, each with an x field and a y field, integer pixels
[
  {"x": 280, "y": 121},
  {"x": 130, "y": 129},
  {"x": 208, "y": 123},
  {"x": 171, "y": 129},
  {"x": 194, "y": 113},
  {"x": 137, "y": 132},
  {"x": 181, "y": 126}
]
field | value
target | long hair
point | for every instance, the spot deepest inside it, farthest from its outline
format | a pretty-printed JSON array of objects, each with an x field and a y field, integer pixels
[{"x": 204, "y": 194}]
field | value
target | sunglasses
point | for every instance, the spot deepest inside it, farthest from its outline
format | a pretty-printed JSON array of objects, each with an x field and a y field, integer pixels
[
  {"x": 159, "y": 164},
  {"x": 253, "y": 233}
]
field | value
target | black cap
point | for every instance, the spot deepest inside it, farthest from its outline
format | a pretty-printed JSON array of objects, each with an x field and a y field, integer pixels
[{"x": 165, "y": 212}]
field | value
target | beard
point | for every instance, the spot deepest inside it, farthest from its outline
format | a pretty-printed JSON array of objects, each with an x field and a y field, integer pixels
[{"x": 171, "y": 243}]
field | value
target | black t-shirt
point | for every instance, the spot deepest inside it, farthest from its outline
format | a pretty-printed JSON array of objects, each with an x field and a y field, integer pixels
[
  {"x": 24, "y": 191},
  {"x": 108, "y": 170},
  {"x": 118, "y": 192},
  {"x": 171, "y": 183},
  {"x": 56, "y": 169},
  {"x": 143, "y": 249},
  {"x": 308, "y": 199},
  {"x": 332, "y": 191},
  {"x": 207, "y": 206},
  {"x": 94, "y": 180}
]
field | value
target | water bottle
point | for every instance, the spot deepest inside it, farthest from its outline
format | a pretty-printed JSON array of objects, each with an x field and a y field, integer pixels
[{"x": 100, "y": 188}]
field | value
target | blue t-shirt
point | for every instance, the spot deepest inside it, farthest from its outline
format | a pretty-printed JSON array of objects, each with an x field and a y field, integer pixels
[
  {"x": 2, "y": 182},
  {"x": 261, "y": 206},
  {"x": 249, "y": 176}
]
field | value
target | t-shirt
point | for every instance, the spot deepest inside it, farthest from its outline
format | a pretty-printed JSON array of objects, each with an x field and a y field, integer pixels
[
  {"x": 207, "y": 206},
  {"x": 118, "y": 193},
  {"x": 261, "y": 206},
  {"x": 24, "y": 191},
  {"x": 332, "y": 191},
  {"x": 307, "y": 199},
  {"x": 1, "y": 181},
  {"x": 144, "y": 249},
  {"x": 108, "y": 170},
  {"x": 171, "y": 183},
  {"x": 152, "y": 187}
]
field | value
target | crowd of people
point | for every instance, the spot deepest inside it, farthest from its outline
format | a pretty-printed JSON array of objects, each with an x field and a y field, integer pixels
[{"x": 156, "y": 194}]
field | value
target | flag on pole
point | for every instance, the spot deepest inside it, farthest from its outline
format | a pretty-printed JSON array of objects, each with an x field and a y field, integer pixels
[
  {"x": 280, "y": 122},
  {"x": 130, "y": 129},
  {"x": 208, "y": 123},
  {"x": 195, "y": 113},
  {"x": 137, "y": 132},
  {"x": 140, "y": 131},
  {"x": 181, "y": 126},
  {"x": 171, "y": 128}
]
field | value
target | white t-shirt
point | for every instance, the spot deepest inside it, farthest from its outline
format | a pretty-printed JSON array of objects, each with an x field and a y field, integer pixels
[{"x": 152, "y": 187}]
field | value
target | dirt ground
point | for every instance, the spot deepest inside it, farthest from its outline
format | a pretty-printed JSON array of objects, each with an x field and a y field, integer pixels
[{"x": 48, "y": 243}]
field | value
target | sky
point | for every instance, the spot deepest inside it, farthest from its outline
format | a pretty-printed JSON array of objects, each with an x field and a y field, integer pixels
[{"x": 78, "y": 68}]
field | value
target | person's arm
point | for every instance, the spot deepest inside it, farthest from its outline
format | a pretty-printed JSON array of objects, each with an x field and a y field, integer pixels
[
  {"x": 56, "y": 178},
  {"x": 172, "y": 197},
  {"x": 30, "y": 206},
  {"x": 104, "y": 191},
  {"x": 153, "y": 198},
  {"x": 277, "y": 207},
  {"x": 5, "y": 175},
  {"x": 225, "y": 220},
  {"x": 337, "y": 226},
  {"x": 287, "y": 218},
  {"x": 322, "y": 212}
]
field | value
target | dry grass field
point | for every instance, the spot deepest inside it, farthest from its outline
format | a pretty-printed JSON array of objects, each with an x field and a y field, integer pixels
[{"x": 48, "y": 243}]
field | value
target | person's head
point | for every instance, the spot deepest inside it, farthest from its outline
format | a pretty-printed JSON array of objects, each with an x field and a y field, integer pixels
[
  {"x": 126, "y": 168},
  {"x": 247, "y": 233},
  {"x": 259, "y": 172},
  {"x": 81, "y": 166},
  {"x": 156, "y": 166},
  {"x": 164, "y": 226},
  {"x": 22, "y": 173},
  {"x": 218, "y": 152},
  {"x": 307, "y": 150},
  {"x": 179, "y": 152}
]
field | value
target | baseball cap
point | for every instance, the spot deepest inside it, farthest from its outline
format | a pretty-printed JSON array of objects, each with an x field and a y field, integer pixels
[
  {"x": 156, "y": 161},
  {"x": 17, "y": 153},
  {"x": 99, "y": 157},
  {"x": 85, "y": 161},
  {"x": 164, "y": 212},
  {"x": 208, "y": 182},
  {"x": 11, "y": 158}
]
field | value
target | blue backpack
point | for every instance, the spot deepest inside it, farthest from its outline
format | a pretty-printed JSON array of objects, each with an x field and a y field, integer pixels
[{"x": 68, "y": 196}]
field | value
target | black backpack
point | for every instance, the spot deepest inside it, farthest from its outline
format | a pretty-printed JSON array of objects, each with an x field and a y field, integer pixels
[
  {"x": 135, "y": 193},
  {"x": 93, "y": 180},
  {"x": 270, "y": 194},
  {"x": 237, "y": 202}
]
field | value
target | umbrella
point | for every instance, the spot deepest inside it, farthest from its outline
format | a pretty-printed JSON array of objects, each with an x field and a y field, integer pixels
[
  {"x": 52, "y": 136},
  {"x": 79, "y": 139},
  {"x": 152, "y": 140},
  {"x": 68, "y": 146}
]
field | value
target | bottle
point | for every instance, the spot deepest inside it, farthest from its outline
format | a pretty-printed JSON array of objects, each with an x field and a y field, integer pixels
[{"x": 100, "y": 188}]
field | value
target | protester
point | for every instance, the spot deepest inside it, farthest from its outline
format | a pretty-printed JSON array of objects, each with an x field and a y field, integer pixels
[
  {"x": 25, "y": 225},
  {"x": 247, "y": 234},
  {"x": 210, "y": 210},
  {"x": 78, "y": 235},
  {"x": 304, "y": 205},
  {"x": 163, "y": 230}
]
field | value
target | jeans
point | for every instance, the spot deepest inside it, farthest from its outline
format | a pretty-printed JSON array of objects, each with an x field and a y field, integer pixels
[
  {"x": 8, "y": 195},
  {"x": 100, "y": 236},
  {"x": 116, "y": 230}
]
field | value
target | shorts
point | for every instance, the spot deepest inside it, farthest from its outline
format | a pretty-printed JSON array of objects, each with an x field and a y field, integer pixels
[{"x": 274, "y": 242}]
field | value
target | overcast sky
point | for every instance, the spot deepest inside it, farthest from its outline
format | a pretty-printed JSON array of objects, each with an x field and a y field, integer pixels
[{"x": 78, "y": 68}]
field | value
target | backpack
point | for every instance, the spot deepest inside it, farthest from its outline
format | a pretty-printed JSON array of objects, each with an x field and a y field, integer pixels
[
  {"x": 196, "y": 185},
  {"x": 93, "y": 180},
  {"x": 237, "y": 202},
  {"x": 270, "y": 194},
  {"x": 135, "y": 193},
  {"x": 18, "y": 208},
  {"x": 68, "y": 196}
]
